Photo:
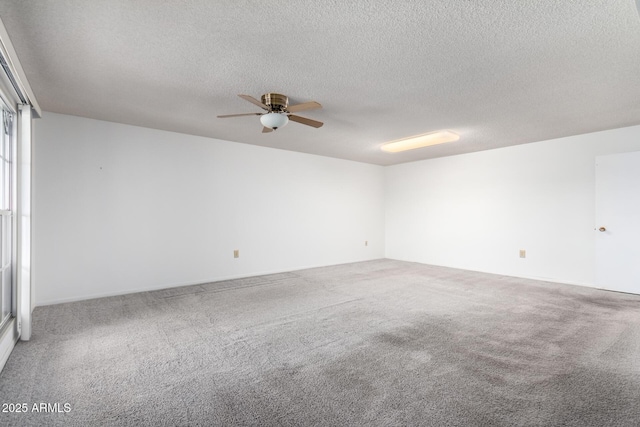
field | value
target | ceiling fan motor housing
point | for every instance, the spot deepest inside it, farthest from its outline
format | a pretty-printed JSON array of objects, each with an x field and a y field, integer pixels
[{"x": 275, "y": 101}]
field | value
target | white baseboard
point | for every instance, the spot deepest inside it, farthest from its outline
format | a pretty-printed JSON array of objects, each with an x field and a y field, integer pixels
[
  {"x": 190, "y": 283},
  {"x": 538, "y": 278}
]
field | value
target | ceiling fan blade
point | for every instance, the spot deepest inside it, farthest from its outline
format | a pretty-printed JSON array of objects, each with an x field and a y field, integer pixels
[
  {"x": 266, "y": 130},
  {"x": 252, "y": 100},
  {"x": 305, "y": 121},
  {"x": 311, "y": 105},
  {"x": 238, "y": 115}
]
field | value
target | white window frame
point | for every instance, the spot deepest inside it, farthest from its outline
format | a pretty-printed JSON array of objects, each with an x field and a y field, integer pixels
[
  {"x": 10, "y": 332},
  {"x": 17, "y": 94}
]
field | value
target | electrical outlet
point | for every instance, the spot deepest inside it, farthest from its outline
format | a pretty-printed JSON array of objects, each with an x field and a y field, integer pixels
[
  {"x": 236, "y": 253},
  {"x": 523, "y": 253}
]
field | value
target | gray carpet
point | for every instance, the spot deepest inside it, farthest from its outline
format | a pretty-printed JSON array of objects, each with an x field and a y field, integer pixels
[{"x": 379, "y": 343}]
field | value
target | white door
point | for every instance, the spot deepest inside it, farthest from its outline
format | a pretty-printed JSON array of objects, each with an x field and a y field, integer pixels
[{"x": 618, "y": 222}]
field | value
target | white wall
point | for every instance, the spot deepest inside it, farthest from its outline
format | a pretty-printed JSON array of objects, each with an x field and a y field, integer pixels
[
  {"x": 119, "y": 209},
  {"x": 476, "y": 211}
]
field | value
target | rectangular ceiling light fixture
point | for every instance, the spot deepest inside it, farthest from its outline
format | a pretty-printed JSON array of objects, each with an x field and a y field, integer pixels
[{"x": 419, "y": 141}]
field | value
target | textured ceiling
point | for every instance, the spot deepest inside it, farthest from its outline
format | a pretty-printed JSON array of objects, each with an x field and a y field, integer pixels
[{"x": 498, "y": 72}]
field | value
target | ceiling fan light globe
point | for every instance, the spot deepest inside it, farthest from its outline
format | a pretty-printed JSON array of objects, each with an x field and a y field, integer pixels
[{"x": 274, "y": 120}]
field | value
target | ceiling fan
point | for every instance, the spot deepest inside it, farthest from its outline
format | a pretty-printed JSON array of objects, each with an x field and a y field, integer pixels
[{"x": 278, "y": 112}]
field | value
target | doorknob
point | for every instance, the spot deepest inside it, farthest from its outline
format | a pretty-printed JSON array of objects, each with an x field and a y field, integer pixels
[{"x": 602, "y": 229}]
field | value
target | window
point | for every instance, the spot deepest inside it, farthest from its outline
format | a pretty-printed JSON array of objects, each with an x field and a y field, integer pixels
[{"x": 6, "y": 215}]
